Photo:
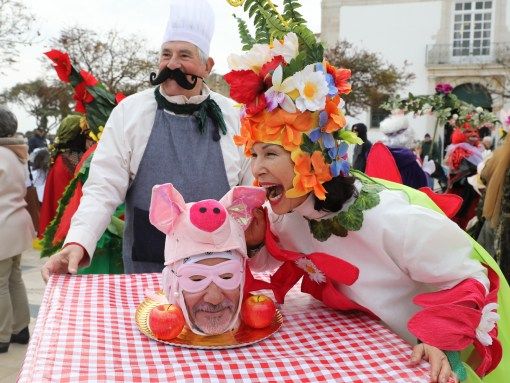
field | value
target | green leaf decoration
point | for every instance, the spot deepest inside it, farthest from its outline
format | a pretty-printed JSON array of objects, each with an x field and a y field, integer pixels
[
  {"x": 368, "y": 200},
  {"x": 246, "y": 38},
  {"x": 349, "y": 137},
  {"x": 295, "y": 65},
  {"x": 290, "y": 11},
  {"x": 274, "y": 24},
  {"x": 308, "y": 145},
  {"x": 254, "y": 7},
  {"x": 352, "y": 219},
  {"x": 321, "y": 230},
  {"x": 338, "y": 229}
]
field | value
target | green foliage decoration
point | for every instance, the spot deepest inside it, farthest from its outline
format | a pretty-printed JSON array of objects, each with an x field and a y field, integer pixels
[
  {"x": 352, "y": 218},
  {"x": 246, "y": 38}
]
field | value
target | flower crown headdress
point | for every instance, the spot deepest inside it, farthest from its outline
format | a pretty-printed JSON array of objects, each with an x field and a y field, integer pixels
[
  {"x": 290, "y": 95},
  {"x": 92, "y": 98}
]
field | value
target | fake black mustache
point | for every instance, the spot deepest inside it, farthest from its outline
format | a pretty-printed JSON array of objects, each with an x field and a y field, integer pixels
[{"x": 176, "y": 74}]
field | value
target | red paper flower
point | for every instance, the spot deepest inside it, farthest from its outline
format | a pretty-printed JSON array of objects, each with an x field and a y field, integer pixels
[
  {"x": 88, "y": 78},
  {"x": 466, "y": 315},
  {"x": 61, "y": 63},
  {"x": 341, "y": 76},
  {"x": 81, "y": 95},
  {"x": 119, "y": 96},
  {"x": 248, "y": 87},
  {"x": 319, "y": 271}
]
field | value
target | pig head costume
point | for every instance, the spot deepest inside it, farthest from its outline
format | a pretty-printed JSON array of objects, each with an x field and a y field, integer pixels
[{"x": 202, "y": 229}]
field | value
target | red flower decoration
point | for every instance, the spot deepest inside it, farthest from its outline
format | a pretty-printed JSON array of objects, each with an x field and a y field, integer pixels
[
  {"x": 81, "y": 95},
  {"x": 319, "y": 271},
  {"x": 119, "y": 96},
  {"x": 459, "y": 313},
  {"x": 341, "y": 76},
  {"x": 88, "y": 78},
  {"x": 61, "y": 63},
  {"x": 248, "y": 87}
]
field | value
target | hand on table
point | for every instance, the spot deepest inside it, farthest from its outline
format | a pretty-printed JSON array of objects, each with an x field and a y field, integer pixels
[
  {"x": 65, "y": 261},
  {"x": 440, "y": 370}
]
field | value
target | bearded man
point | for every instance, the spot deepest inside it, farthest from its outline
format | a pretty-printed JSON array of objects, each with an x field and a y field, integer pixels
[{"x": 179, "y": 132}]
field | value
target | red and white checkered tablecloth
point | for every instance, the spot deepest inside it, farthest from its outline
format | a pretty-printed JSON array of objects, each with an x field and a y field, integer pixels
[{"x": 86, "y": 332}]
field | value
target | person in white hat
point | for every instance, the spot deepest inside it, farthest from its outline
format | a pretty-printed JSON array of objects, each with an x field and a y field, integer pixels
[{"x": 179, "y": 132}]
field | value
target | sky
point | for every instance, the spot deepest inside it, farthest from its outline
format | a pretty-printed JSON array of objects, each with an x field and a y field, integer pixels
[{"x": 145, "y": 18}]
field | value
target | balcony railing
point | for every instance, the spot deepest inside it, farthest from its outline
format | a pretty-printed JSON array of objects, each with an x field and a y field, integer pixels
[{"x": 450, "y": 54}]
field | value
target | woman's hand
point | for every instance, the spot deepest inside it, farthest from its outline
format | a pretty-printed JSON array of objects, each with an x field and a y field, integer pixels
[
  {"x": 440, "y": 370},
  {"x": 255, "y": 232}
]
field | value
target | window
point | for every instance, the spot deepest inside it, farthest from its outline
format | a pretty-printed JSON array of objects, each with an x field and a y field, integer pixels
[
  {"x": 377, "y": 115},
  {"x": 472, "y": 25}
]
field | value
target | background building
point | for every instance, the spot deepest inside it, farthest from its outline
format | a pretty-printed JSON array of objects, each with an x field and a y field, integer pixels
[{"x": 462, "y": 42}]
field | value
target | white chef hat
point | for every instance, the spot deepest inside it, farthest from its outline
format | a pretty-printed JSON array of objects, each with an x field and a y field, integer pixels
[{"x": 191, "y": 21}]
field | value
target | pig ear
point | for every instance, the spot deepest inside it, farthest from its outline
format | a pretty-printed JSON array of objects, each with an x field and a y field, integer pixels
[
  {"x": 240, "y": 202},
  {"x": 166, "y": 205}
]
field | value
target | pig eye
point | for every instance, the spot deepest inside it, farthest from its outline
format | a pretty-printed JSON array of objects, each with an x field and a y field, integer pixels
[
  {"x": 226, "y": 276},
  {"x": 197, "y": 278}
]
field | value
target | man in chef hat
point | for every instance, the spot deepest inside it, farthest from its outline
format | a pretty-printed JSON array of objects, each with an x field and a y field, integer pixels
[{"x": 179, "y": 131}]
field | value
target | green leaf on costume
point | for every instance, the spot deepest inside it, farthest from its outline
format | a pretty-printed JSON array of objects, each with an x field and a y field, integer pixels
[
  {"x": 338, "y": 229},
  {"x": 367, "y": 200},
  {"x": 290, "y": 11},
  {"x": 246, "y": 38},
  {"x": 321, "y": 230},
  {"x": 352, "y": 219},
  {"x": 349, "y": 137},
  {"x": 295, "y": 65},
  {"x": 308, "y": 145}
]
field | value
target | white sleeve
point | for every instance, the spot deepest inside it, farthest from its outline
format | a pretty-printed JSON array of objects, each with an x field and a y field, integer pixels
[
  {"x": 432, "y": 249},
  {"x": 263, "y": 261},
  {"x": 106, "y": 185}
]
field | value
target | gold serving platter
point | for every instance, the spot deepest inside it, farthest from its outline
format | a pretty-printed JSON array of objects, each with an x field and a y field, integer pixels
[{"x": 241, "y": 337}]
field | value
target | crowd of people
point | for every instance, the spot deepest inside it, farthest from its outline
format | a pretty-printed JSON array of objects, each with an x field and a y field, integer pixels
[{"x": 356, "y": 240}]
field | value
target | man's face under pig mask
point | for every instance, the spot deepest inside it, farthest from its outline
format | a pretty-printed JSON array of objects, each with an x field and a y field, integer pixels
[{"x": 205, "y": 254}]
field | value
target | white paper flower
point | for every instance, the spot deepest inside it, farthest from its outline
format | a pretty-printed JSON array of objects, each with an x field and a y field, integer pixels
[
  {"x": 277, "y": 94},
  {"x": 256, "y": 57},
  {"x": 312, "y": 87},
  {"x": 313, "y": 272},
  {"x": 487, "y": 323},
  {"x": 289, "y": 49}
]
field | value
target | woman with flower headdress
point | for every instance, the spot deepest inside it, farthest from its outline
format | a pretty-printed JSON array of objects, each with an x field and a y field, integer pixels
[
  {"x": 66, "y": 151},
  {"x": 357, "y": 243}
]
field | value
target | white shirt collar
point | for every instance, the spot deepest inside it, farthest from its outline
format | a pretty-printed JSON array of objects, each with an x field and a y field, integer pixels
[{"x": 181, "y": 99}]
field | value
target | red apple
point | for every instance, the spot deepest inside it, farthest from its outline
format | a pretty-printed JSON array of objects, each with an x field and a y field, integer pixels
[
  {"x": 166, "y": 321},
  {"x": 258, "y": 311}
]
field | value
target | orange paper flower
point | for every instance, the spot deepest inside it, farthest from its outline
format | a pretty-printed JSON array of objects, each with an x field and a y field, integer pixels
[
  {"x": 286, "y": 128},
  {"x": 336, "y": 119},
  {"x": 250, "y": 126},
  {"x": 311, "y": 172}
]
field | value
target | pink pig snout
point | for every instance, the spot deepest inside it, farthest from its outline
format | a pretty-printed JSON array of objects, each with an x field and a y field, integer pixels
[{"x": 208, "y": 215}]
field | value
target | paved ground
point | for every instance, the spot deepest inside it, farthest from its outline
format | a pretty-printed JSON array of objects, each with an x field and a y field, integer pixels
[{"x": 10, "y": 362}]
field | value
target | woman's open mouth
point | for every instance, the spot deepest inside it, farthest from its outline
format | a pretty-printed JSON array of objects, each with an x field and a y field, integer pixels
[{"x": 274, "y": 193}]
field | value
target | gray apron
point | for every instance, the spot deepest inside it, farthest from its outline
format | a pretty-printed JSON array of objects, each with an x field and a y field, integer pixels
[{"x": 176, "y": 152}]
